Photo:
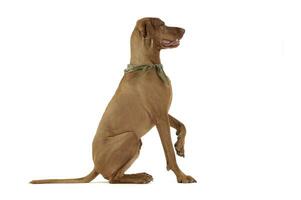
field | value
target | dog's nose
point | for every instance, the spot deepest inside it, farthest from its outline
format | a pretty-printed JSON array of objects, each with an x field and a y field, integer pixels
[{"x": 181, "y": 31}]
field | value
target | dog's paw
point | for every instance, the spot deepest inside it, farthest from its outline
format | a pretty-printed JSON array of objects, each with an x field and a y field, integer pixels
[
  {"x": 186, "y": 179},
  {"x": 179, "y": 146}
]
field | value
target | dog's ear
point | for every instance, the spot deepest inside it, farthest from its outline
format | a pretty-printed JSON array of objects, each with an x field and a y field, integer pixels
[{"x": 144, "y": 27}]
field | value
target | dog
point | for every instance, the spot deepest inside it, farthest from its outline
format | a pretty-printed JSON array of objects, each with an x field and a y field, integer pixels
[{"x": 141, "y": 101}]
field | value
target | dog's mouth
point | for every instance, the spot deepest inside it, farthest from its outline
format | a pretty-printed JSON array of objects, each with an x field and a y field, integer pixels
[{"x": 170, "y": 43}]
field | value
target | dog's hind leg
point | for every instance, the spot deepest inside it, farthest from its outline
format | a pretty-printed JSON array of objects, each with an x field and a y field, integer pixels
[
  {"x": 138, "y": 178},
  {"x": 117, "y": 155}
]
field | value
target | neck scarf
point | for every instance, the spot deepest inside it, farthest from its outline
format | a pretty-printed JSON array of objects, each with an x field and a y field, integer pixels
[{"x": 158, "y": 67}]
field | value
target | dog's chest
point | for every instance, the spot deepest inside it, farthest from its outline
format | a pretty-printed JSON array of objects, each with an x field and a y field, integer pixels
[
  {"x": 169, "y": 93},
  {"x": 164, "y": 94},
  {"x": 153, "y": 91}
]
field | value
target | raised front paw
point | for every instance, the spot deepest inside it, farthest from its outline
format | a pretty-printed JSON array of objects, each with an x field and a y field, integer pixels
[
  {"x": 185, "y": 179},
  {"x": 179, "y": 146}
]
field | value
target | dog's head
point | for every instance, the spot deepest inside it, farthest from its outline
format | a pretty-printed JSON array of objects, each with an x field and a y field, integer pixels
[{"x": 158, "y": 34}]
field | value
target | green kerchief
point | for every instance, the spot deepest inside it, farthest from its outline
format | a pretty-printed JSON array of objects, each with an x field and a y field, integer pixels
[{"x": 158, "y": 67}]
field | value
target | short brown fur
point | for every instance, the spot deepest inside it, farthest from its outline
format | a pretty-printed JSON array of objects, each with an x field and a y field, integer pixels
[{"x": 141, "y": 102}]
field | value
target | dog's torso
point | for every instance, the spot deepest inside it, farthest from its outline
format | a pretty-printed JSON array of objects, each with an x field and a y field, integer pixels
[{"x": 138, "y": 102}]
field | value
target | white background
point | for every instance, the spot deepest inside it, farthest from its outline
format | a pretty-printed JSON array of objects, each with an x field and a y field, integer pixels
[{"x": 236, "y": 82}]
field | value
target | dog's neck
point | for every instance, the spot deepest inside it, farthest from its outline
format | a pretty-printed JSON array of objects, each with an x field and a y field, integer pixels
[
  {"x": 144, "y": 51},
  {"x": 144, "y": 58}
]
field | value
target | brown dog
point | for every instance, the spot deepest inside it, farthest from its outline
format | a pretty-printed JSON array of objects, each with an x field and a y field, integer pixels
[{"x": 141, "y": 102}]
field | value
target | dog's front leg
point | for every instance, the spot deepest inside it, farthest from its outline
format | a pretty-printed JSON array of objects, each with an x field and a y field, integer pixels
[
  {"x": 163, "y": 127},
  {"x": 181, "y": 133}
]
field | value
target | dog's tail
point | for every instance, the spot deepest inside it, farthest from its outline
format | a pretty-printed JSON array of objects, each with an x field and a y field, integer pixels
[{"x": 85, "y": 179}]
